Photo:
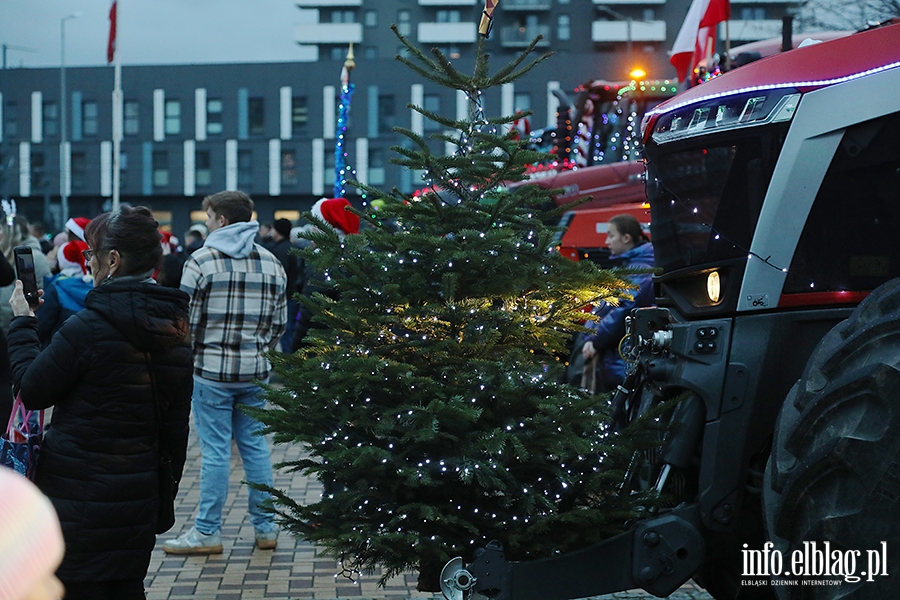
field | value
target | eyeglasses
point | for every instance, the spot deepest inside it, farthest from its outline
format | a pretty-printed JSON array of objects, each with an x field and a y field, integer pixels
[{"x": 87, "y": 254}]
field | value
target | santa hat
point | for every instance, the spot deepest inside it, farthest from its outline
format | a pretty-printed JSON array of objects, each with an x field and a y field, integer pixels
[
  {"x": 169, "y": 242},
  {"x": 332, "y": 211},
  {"x": 76, "y": 225},
  {"x": 31, "y": 541},
  {"x": 71, "y": 260}
]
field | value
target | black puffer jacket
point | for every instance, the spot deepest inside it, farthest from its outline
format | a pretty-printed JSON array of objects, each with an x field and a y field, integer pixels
[{"x": 98, "y": 462}]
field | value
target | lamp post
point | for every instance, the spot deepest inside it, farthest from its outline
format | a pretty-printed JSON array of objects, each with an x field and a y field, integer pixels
[{"x": 65, "y": 170}]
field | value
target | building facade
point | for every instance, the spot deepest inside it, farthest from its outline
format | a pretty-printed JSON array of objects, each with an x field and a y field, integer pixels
[{"x": 270, "y": 129}]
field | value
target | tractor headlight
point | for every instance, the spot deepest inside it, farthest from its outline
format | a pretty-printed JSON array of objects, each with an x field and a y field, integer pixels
[{"x": 713, "y": 286}]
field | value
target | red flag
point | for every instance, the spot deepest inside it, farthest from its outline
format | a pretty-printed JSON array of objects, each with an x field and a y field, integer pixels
[
  {"x": 111, "y": 45},
  {"x": 699, "y": 26}
]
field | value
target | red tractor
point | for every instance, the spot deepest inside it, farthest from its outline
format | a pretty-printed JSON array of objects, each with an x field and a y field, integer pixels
[{"x": 774, "y": 193}]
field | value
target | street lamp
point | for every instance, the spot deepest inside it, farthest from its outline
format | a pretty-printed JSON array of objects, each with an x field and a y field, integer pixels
[
  {"x": 628, "y": 20},
  {"x": 65, "y": 170}
]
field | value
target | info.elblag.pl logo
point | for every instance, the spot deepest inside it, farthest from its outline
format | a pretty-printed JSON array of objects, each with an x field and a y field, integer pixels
[{"x": 814, "y": 564}]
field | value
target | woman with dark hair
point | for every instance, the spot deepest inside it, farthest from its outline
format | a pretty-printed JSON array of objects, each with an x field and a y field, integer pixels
[
  {"x": 118, "y": 375},
  {"x": 629, "y": 247}
]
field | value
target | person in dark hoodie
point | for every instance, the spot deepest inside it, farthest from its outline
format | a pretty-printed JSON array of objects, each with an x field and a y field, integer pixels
[{"x": 118, "y": 375}]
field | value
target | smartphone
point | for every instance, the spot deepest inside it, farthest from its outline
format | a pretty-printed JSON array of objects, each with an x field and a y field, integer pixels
[{"x": 25, "y": 273}]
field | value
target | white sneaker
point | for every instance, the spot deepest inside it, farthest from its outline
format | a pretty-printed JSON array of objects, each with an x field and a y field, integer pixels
[
  {"x": 194, "y": 542},
  {"x": 267, "y": 541}
]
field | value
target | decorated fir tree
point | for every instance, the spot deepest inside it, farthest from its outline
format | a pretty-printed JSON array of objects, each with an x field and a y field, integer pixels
[{"x": 430, "y": 399}]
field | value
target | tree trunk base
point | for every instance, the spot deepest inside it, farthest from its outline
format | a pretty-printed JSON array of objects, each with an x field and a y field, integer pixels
[{"x": 429, "y": 578}]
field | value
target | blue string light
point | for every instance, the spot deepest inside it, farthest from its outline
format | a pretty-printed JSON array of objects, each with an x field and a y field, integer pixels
[{"x": 340, "y": 156}]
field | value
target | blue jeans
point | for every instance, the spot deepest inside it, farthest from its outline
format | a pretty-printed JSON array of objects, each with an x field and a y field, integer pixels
[
  {"x": 288, "y": 338},
  {"x": 218, "y": 418}
]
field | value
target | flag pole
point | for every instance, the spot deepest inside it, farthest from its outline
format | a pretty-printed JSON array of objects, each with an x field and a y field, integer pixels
[
  {"x": 727, "y": 46},
  {"x": 117, "y": 107}
]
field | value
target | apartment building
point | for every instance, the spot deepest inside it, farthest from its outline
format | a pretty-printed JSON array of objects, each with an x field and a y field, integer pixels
[{"x": 270, "y": 129}]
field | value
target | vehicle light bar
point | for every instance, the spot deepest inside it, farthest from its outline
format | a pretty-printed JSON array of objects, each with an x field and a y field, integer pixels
[{"x": 726, "y": 113}]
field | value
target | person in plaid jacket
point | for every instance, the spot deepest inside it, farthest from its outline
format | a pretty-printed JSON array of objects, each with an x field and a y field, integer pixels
[{"x": 238, "y": 311}]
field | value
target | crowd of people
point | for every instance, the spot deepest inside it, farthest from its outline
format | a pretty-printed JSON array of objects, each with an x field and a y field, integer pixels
[{"x": 134, "y": 334}]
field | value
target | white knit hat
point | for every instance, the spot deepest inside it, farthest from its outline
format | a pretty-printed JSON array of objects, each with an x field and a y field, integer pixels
[{"x": 31, "y": 541}]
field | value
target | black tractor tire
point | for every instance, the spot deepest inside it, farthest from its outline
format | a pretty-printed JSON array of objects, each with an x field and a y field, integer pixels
[{"x": 834, "y": 472}]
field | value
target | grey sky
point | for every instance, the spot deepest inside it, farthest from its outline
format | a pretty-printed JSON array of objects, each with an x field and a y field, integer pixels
[{"x": 150, "y": 31}]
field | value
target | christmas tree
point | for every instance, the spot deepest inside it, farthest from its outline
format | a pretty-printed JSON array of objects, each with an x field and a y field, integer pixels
[{"x": 430, "y": 398}]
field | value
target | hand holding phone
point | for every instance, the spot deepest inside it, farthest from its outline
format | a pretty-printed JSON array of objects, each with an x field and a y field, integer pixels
[{"x": 25, "y": 274}]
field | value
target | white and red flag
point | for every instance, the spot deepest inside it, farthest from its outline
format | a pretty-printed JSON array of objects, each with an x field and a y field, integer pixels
[
  {"x": 111, "y": 44},
  {"x": 697, "y": 32}
]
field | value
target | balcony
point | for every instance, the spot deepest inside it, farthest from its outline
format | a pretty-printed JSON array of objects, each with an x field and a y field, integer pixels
[
  {"x": 326, "y": 3},
  {"x": 328, "y": 33},
  {"x": 751, "y": 31},
  {"x": 447, "y": 33},
  {"x": 520, "y": 37},
  {"x": 531, "y": 5},
  {"x": 617, "y": 31},
  {"x": 447, "y": 2}
]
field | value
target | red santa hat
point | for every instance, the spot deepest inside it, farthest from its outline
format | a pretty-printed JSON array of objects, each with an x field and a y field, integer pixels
[
  {"x": 169, "y": 242},
  {"x": 71, "y": 260},
  {"x": 332, "y": 211},
  {"x": 76, "y": 225}
]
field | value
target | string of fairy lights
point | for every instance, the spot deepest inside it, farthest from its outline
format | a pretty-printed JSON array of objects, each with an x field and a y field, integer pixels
[{"x": 340, "y": 154}]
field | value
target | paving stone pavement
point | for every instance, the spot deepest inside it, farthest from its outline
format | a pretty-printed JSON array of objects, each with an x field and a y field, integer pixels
[{"x": 296, "y": 569}]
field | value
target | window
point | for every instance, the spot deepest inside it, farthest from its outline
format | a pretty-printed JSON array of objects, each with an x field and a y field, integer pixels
[
  {"x": 431, "y": 103},
  {"x": 451, "y": 51},
  {"x": 288, "y": 167},
  {"x": 161, "y": 168},
  {"x": 338, "y": 53},
  {"x": 343, "y": 16},
  {"x": 371, "y": 18},
  {"x": 214, "y": 116},
  {"x": 38, "y": 172},
  {"x": 648, "y": 14},
  {"x": 173, "y": 117},
  {"x": 299, "y": 115},
  {"x": 203, "y": 168},
  {"x": 753, "y": 14},
  {"x": 79, "y": 172},
  {"x": 448, "y": 16},
  {"x": 376, "y": 167},
  {"x": 522, "y": 101},
  {"x": 11, "y": 120},
  {"x": 132, "y": 113},
  {"x": 370, "y": 52},
  {"x": 865, "y": 165},
  {"x": 386, "y": 117},
  {"x": 245, "y": 169},
  {"x": 256, "y": 116},
  {"x": 403, "y": 24},
  {"x": 89, "y": 119},
  {"x": 51, "y": 119},
  {"x": 563, "y": 28}
]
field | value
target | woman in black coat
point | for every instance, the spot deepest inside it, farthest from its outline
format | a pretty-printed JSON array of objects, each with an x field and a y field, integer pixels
[{"x": 99, "y": 460}]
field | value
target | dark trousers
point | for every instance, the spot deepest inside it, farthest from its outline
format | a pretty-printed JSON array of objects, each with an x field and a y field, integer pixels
[{"x": 122, "y": 589}]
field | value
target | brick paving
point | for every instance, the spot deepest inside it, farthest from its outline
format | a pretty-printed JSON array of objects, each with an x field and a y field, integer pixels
[{"x": 295, "y": 569}]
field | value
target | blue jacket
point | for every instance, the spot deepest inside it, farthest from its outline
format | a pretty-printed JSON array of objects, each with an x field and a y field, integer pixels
[
  {"x": 63, "y": 297},
  {"x": 610, "y": 329}
]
